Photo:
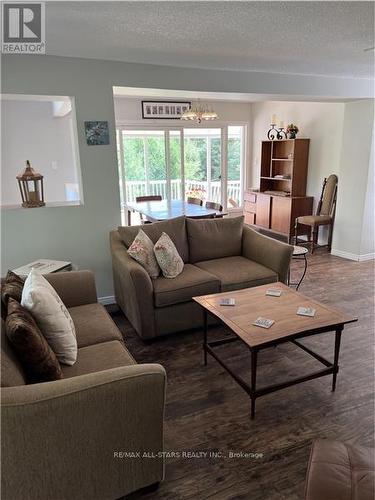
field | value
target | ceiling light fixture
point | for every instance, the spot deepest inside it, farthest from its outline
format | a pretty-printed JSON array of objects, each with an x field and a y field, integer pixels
[{"x": 199, "y": 113}]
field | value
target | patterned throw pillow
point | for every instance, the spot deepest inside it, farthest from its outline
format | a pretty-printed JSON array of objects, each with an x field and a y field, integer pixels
[
  {"x": 33, "y": 351},
  {"x": 11, "y": 286},
  {"x": 52, "y": 317},
  {"x": 142, "y": 250},
  {"x": 167, "y": 256}
]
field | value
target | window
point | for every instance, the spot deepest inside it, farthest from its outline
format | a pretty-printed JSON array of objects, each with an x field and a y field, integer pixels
[
  {"x": 181, "y": 162},
  {"x": 28, "y": 122}
]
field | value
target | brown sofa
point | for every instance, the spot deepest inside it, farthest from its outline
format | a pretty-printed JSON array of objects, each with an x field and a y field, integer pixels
[
  {"x": 219, "y": 255},
  {"x": 339, "y": 471},
  {"x": 60, "y": 439}
]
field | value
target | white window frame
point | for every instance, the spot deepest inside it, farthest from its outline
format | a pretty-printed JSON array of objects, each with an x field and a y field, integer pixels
[{"x": 223, "y": 126}]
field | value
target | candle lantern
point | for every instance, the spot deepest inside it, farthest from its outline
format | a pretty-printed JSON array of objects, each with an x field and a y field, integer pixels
[{"x": 31, "y": 187}]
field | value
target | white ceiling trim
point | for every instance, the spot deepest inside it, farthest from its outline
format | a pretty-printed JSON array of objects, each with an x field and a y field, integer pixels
[{"x": 147, "y": 93}]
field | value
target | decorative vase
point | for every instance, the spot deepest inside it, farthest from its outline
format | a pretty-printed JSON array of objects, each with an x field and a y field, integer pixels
[{"x": 292, "y": 134}]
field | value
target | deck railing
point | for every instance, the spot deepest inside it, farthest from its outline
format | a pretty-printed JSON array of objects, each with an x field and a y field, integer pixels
[{"x": 212, "y": 190}]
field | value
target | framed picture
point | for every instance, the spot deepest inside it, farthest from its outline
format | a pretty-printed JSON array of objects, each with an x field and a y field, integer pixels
[
  {"x": 97, "y": 133},
  {"x": 164, "y": 110}
]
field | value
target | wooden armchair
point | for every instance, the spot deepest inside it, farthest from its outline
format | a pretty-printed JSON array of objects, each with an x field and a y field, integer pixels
[{"x": 325, "y": 214}]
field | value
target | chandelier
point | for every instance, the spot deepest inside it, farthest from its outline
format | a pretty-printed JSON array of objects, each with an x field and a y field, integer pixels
[{"x": 199, "y": 113}]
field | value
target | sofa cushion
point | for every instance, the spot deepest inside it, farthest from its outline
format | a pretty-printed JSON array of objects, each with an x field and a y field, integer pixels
[
  {"x": 238, "y": 272},
  {"x": 214, "y": 238},
  {"x": 99, "y": 357},
  {"x": 37, "y": 358},
  {"x": 12, "y": 373},
  {"x": 175, "y": 228},
  {"x": 93, "y": 325},
  {"x": 190, "y": 283}
]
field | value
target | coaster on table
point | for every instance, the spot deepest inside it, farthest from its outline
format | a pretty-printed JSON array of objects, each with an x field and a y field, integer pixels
[
  {"x": 263, "y": 322},
  {"x": 273, "y": 292},
  {"x": 306, "y": 311},
  {"x": 228, "y": 302}
]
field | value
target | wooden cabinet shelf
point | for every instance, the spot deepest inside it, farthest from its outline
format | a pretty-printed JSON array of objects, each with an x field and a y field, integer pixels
[
  {"x": 277, "y": 178},
  {"x": 287, "y": 157},
  {"x": 280, "y": 200},
  {"x": 282, "y": 159}
]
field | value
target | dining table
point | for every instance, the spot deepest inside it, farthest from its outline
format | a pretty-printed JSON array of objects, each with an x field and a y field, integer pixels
[{"x": 155, "y": 211}]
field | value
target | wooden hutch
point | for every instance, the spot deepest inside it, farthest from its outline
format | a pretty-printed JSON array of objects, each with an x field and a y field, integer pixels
[{"x": 282, "y": 193}]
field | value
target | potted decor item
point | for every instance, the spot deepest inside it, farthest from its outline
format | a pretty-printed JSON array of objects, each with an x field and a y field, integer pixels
[
  {"x": 292, "y": 131},
  {"x": 198, "y": 193}
]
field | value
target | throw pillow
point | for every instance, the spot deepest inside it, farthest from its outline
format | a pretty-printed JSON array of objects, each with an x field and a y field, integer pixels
[
  {"x": 36, "y": 356},
  {"x": 142, "y": 250},
  {"x": 51, "y": 315},
  {"x": 175, "y": 228},
  {"x": 11, "y": 286},
  {"x": 167, "y": 256}
]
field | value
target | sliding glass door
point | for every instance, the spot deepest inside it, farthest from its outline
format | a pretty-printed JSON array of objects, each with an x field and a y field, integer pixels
[
  {"x": 175, "y": 155},
  {"x": 203, "y": 163},
  {"x": 180, "y": 162},
  {"x": 235, "y": 166},
  {"x": 144, "y": 163}
]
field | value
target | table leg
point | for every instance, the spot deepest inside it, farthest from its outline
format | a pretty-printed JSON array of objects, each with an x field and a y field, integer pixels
[
  {"x": 254, "y": 358},
  {"x": 304, "y": 273},
  {"x": 205, "y": 337},
  {"x": 129, "y": 218},
  {"x": 336, "y": 357}
]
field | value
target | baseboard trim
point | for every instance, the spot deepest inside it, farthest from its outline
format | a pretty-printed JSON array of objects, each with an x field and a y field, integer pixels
[
  {"x": 353, "y": 256},
  {"x": 107, "y": 301},
  {"x": 366, "y": 256}
]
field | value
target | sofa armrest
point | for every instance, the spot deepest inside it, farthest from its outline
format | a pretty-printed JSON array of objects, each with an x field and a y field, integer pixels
[
  {"x": 267, "y": 251},
  {"x": 75, "y": 288},
  {"x": 66, "y": 439},
  {"x": 134, "y": 290}
]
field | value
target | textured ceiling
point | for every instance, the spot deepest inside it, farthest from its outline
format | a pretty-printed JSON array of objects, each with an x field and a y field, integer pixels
[{"x": 319, "y": 38}]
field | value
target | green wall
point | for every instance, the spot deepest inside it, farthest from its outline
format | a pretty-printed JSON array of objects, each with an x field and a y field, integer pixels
[{"x": 79, "y": 234}]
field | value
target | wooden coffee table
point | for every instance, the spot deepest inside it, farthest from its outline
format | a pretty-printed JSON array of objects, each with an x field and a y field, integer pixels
[{"x": 288, "y": 327}]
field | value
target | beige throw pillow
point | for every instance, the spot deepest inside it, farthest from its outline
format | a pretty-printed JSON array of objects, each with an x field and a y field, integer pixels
[
  {"x": 142, "y": 250},
  {"x": 167, "y": 256},
  {"x": 51, "y": 316}
]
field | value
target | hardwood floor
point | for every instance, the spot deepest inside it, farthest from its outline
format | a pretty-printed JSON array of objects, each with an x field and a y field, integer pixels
[{"x": 207, "y": 411}]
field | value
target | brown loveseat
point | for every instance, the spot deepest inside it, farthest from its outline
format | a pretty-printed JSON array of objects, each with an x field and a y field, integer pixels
[
  {"x": 65, "y": 439},
  {"x": 219, "y": 255}
]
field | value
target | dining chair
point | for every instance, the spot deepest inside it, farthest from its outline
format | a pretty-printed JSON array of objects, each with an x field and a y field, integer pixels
[
  {"x": 152, "y": 197},
  {"x": 325, "y": 215},
  {"x": 215, "y": 206},
  {"x": 195, "y": 201}
]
